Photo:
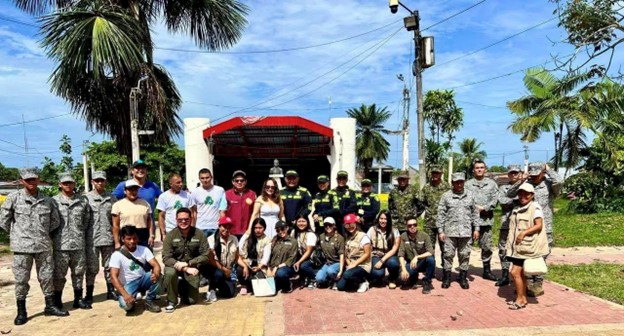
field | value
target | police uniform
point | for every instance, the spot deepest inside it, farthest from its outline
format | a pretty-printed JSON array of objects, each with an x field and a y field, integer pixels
[
  {"x": 457, "y": 218},
  {"x": 403, "y": 203},
  {"x": 507, "y": 204},
  {"x": 346, "y": 201},
  {"x": 296, "y": 200},
  {"x": 430, "y": 197},
  {"x": 29, "y": 220},
  {"x": 368, "y": 206},
  {"x": 325, "y": 204},
  {"x": 70, "y": 243}
]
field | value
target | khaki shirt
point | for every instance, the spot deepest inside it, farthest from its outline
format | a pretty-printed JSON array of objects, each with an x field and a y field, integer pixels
[
  {"x": 413, "y": 247},
  {"x": 283, "y": 251},
  {"x": 536, "y": 245},
  {"x": 333, "y": 247},
  {"x": 229, "y": 249},
  {"x": 192, "y": 249},
  {"x": 132, "y": 213},
  {"x": 354, "y": 250}
]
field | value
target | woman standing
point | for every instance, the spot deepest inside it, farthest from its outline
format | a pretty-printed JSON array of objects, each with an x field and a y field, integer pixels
[
  {"x": 526, "y": 240},
  {"x": 269, "y": 207},
  {"x": 283, "y": 254},
  {"x": 254, "y": 251},
  {"x": 385, "y": 242},
  {"x": 306, "y": 241},
  {"x": 357, "y": 257}
]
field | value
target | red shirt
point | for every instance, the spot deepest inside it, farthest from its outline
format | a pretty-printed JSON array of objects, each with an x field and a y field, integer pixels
[{"x": 240, "y": 206}]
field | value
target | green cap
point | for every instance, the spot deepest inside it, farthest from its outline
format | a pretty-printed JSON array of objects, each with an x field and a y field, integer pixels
[
  {"x": 292, "y": 173},
  {"x": 322, "y": 179},
  {"x": 367, "y": 182},
  {"x": 342, "y": 173}
]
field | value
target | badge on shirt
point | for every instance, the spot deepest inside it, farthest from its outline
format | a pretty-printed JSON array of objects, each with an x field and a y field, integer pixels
[
  {"x": 178, "y": 205},
  {"x": 209, "y": 200},
  {"x": 248, "y": 201}
]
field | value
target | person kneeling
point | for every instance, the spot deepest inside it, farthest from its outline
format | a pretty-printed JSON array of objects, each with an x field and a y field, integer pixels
[
  {"x": 223, "y": 255},
  {"x": 134, "y": 269},
  {"x": 416, "y": 255},
  {"x": 283, "y": 254},
  {"x": 332, "y": 246},
  {"x": 185, "y": 255},
  {"x": 357, "y": 257}
]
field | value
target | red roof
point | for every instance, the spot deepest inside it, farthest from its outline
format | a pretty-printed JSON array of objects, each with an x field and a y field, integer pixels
[{"x": 278, "y": 136}]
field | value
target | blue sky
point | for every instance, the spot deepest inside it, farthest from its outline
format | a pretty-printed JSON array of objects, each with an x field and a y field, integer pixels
[{"x": 355, "y": 71}]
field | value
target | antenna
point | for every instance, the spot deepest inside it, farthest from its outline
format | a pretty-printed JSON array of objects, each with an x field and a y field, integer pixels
[{"x": 25, "y": 142}]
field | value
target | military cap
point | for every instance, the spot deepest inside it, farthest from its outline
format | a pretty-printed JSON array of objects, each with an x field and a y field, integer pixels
[
  {"x": 280, "y": 224},
  {"x": 535, "y": 168},
  {"x": 342, "y": 173},
  {"x": 66, "y": 177},
  {"x": 367, "y": 182},
  {"x": 528, "y": 187},
  {"x": 322, "y": 179},
  {"x": 139, "y": 163},
  {"x": 437, "y": 169},
  {"x": 513, "y": 168},
  {"x": 28, "y": 173},
  {"x": 131, "y": 183},
  {"x": 99, "y": 175},
  {"x": 239, "y": 172},
  {"x": 292, "y": 173},
  {"x": 403, "y": 174},
  {"x": 458, "y": 177}
]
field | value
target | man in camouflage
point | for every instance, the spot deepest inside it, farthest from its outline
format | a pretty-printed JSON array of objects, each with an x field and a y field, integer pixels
[
  {"x": 367, "y": 205},
  {"x": 346, "y": 199},
  {"x": 507, "y": 204},
  {"x": 29, "y": 217},
  {"x": 457, "y": 224},
  {"x": 324, "y": 204},
  {"x": 430, "y": 197},
  {"x": 485, "y": 193},
  {"x": 100, "y": 241},
  {"x": 403, "y": 201},
  {"x": 547, "y": 184},
  {"x": 70, "y": 240}
]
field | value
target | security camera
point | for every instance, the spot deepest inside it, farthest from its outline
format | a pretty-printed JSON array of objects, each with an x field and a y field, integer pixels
[{"x": 394, "y": 6}]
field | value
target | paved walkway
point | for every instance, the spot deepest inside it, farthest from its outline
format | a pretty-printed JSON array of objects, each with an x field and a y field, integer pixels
[{"x": 478, "y": 311}]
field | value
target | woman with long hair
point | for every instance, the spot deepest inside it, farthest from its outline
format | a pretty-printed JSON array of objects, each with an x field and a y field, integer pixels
[
  {"x": 385, "y": 242},
  {"x": 306, "y": 241},
  {"x": 268, "y": 206},
  {"x": 254, "y": 252}
]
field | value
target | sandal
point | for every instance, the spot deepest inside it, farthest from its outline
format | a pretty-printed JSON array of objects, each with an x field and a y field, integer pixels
[
  {"x": 516, "y": 306},
  {"x": 510, "y": 302}
]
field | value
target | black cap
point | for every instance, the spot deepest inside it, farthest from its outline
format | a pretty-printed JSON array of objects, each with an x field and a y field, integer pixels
[
  {"x": 139, "y": 163},
  {"x": 280, "y": 224}
]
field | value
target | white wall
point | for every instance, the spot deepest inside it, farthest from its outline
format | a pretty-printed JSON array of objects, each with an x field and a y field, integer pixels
[
  {"x": 196, "y": 151},
  {"x": 343, "y": 149}
]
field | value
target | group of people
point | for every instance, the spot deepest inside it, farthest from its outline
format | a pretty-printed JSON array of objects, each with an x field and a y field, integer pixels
[{"x": 338, "y": 238}]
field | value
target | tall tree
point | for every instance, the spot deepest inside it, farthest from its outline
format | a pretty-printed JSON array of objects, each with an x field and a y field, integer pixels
[
  {"x": 470, "y": 150},
  {"x": 369, "y": 141},
  {"x": 444, "y": 118},
  {"x": 103, "y": 47}
]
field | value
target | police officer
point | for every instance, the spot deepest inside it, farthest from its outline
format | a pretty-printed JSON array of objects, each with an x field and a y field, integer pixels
[
  {"x": 367, "y": 204},
  {"x": 457, "y": 224},
  {"x": 325, "y": 204},
  {"x": 485, "y": 192},
  {"x": 296, "y": 198},
  {"x": 346, "y": 198},
  {"x": 100, "y": 237},
  {"x": 547, "y": 184},
  {"x": 507, "y": 204},
  {"x": 403, "y": 201},
  {"x": 70, "y": 240},
  {"x": 430, "y": 197},
  {"x": 29, "y": 217}
]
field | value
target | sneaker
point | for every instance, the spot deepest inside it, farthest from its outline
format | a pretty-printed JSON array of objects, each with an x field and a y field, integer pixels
[
  {"x": 138, "y": 296},
  {"x": 312, "y": 284},
  {"x": 243, "y": 290},
  {"x": 170, "y": 307},
  {"x": 211, "y": 296},
  {"x": 152, "y": 306},
  {"x": 363, "y": 287},
  {"x": 392, "y": 285},
  {"x": 334, "y": 286}
]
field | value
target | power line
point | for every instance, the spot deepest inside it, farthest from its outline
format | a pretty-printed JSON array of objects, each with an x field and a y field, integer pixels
[
  {"x": 288, "y": 109},
  {"x": 454, "y": 15},
  {"x": 8, "y": 19},
  {"x": 34, "y": 120}
]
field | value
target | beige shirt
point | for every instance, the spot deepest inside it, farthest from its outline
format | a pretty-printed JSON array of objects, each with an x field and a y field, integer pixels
[
  {"x": 228, "y": 249},
  {"x": 132, "y": 213}
]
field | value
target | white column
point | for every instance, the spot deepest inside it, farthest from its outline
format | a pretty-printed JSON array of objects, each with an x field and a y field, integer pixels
[
  {"x": 196, "y": 152},
  {"x": 343, "y": 149}
]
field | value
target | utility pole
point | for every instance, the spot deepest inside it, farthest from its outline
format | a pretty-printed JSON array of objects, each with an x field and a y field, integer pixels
[
  {"x": 405, "y": 130},
  {"x": 526, "y": 158},
  {"x": 85, "y": 165},
  {"x": 135, "y": 94}
]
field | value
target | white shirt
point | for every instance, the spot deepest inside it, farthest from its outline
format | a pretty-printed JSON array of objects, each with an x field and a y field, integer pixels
[
  {"x": 209, "y": 203},
  {"x": 128, "y": 269},
  {"x": 170, "y": 203}
]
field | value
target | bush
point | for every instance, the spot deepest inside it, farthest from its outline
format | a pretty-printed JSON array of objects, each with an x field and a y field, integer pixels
[{"x": 589, "y": 193}]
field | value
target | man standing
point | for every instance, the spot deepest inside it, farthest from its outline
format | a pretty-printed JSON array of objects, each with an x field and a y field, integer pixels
[
  {"x": 240, "y": 202},
  {"x": 71, "y": 241},
  {"x": 367, "y": 205},
  {"x": 100, "y": 236},
  {"x": 148, "y": 190},
  {"x": 416, "y": 255},
  {"x": 296, "y": 198},
  {"x": 346, "y": 198},
  {"x": 210, "y": 202},
  {"x": 325, "y": 204},
  {"x": 507, "y": 204},
  {"x": 169, "y": 202},
  {"x": 403, "y": 201},
  {"x": 133, "y": 211},
  {"x": 485, "y": 193},
  {"x": 430, "y": 197},
  {"x": 457, "y": 224},
  {"x": 185, "y": 254},
  {"x": 29, "y": 217},
  {"x": 547, "y": 184}
]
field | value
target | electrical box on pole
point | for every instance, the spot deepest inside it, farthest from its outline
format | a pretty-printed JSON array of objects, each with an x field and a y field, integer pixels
[{"x": 427, "y": 55}]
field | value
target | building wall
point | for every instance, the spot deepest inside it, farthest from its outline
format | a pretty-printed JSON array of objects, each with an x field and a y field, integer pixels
[{"x": 196, "y": 152}]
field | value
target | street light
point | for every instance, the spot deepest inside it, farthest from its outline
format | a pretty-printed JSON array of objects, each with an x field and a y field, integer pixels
[
  {"x": 423, "y": 58},
  {"x": 135, "y": 93}
]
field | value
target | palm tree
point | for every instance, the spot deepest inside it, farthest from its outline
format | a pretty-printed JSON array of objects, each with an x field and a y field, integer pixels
[
  {"x": 470, "y": 150},
  {"x": 103, "y": 47},
  {"x": 369, "y": 142}
]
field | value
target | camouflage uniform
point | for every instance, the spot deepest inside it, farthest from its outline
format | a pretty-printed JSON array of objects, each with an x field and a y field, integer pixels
[
  {"x": 70, "y": 241},
  {"x": 430, "y": 198},
  {"x": 507, "y": 205},
  {"x": 30, "y": 220},
  {"x": 402, "y": 204},
  {"x": 485, "y": 193},
  {"x": 100, "y": 236}
]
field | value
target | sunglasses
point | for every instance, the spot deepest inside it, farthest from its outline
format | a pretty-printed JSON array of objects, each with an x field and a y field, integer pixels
[
  {"x": 239, "y": 180},
  {"x": 280, "y": 229},
  {"x": 183, "y": 220}
]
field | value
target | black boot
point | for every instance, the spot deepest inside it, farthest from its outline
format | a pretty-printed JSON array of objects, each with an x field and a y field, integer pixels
[
  {"x": 58, "y": 299},
  {"x": 89, "y": 296},
  {"x": 110, "y": 292},
  {"x": 504, "y": 281},
  {"x": 78, "y": 301},
  {"x": 463, "y": 279},
  {"x": 487, "y": 272},
  {"x": 22, "y": 316},
  {"x": 446, "y": 279},
  {"x": 51, "y": 307}
]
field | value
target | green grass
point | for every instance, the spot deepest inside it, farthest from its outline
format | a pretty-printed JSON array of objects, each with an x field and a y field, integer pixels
[{"x": 601, "y": 280}]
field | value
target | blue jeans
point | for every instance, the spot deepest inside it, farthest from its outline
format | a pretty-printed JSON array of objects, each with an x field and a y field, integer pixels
[
  {"x": 352, "y": 278},
  {"x": 138, "y": 285},
  {"x": 218, "y": 280},
  {"x": 327, "y": 273},
  {"x": 426, "y": 266},
  {"x": 209, "y": 232},
  {"x": 282, "y": 277},
  {"x": 307, "y": 270},
  {"x": 393, "y": 266}
]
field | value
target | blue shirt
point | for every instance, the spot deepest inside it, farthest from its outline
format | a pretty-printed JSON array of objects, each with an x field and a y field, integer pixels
[{"x": 149, "y": 192}]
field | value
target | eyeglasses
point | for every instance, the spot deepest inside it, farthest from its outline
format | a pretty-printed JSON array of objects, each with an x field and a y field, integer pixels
[
  {"x": 183, "y": 220},
  {"x": 239, "y": 180},
  {"x": 411, "y": 225},
  {"x": 269, "y": 187}
]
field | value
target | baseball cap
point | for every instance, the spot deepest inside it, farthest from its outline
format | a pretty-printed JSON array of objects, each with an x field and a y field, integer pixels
[
  {"x": 225, "y": 220},
  {"x": 139, "y": 163},
  {"x": 366, "y": 182},
  {"x": 131, "y": 183},
  {"x": 292, "y": 173},
  {"x": 535, "y": 168},
  {"x": 513, "y": 168},
  {"x": 280, "y": 224},
  {"x": 27, "y": 173},
  {"x": 329, "y": 220},
  {"x": 458, "y": 177},
  {"x": 342, "y": 173},
  {"x": 528, "y": 187},
  {"x": 322, "y": 179},
  {"x": 239, "y": 172},
  {"x": 66, "y": 177},
  {"x": 99, "y": 175},
  {"x": 350, "y": 218}
]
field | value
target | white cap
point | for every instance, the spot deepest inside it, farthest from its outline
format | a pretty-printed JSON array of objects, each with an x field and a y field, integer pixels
[
  {"x": 131, "y": 183},
  {"x": 329, "y": 220}
]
